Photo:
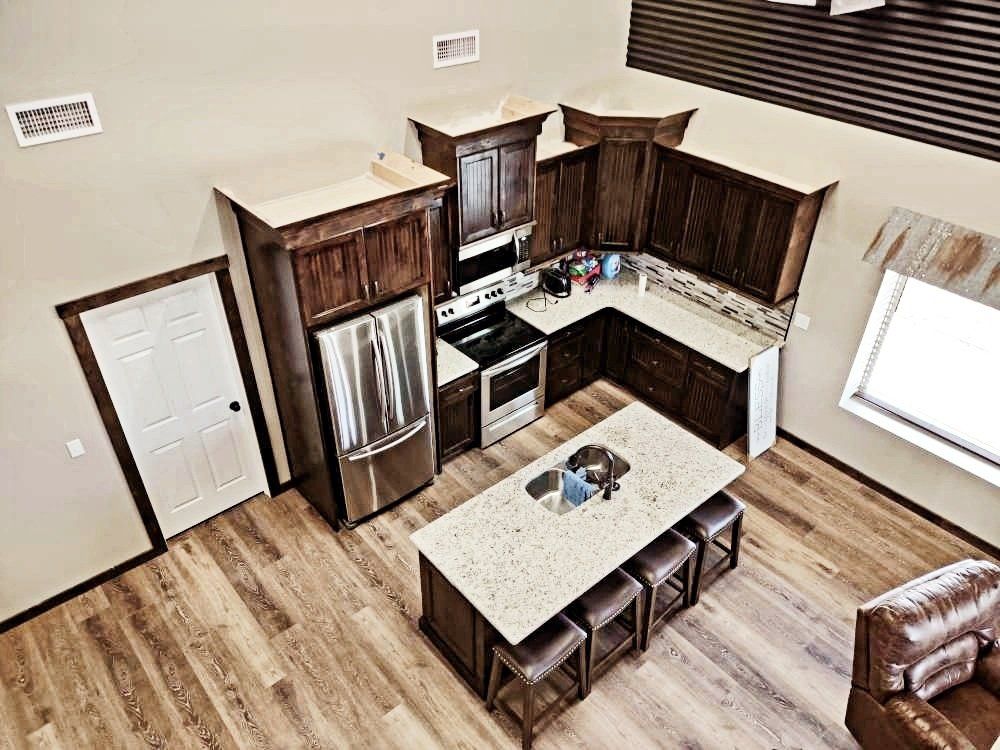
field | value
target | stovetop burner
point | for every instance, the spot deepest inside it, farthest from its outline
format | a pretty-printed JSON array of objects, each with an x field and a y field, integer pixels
[{"x": 492, "y": 336}]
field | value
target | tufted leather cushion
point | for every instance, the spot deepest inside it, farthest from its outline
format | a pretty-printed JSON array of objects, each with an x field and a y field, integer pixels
[
  {"x": 916, "y": 724},
  {"x": 543, "y": 650},
  {"x": 713, "y": 516},
  {"x": 907, "y": 625},
  {"x": 660, "y": 558},
  {"x": 606, "y": 600},
  {"x": 944, "y": 667}
]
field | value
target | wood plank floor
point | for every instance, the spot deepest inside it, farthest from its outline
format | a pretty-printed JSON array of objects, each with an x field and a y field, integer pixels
[{"x": 263, "y": 629}]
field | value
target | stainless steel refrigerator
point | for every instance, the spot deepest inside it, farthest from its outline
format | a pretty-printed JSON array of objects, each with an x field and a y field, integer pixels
[{"x": 376, "y": 370}]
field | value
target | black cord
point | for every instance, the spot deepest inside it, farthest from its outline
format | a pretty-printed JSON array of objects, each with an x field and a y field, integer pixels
[{"x": 544, "y": 299}]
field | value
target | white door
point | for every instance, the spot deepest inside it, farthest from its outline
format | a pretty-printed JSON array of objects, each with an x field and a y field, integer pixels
[{"x": 171, "y": 369}]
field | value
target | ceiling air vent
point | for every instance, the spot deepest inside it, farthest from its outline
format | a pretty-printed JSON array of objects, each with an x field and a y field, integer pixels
[
  {"x": 57, "y": 119},
  {"x": 456, "y": 49}
]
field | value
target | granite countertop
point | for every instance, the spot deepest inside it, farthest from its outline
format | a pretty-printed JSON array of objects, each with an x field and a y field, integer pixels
[
  {"x": 715, "y": 336},
  {"x": 519, "y": 564},
  {"x": 452, "y": 364}
]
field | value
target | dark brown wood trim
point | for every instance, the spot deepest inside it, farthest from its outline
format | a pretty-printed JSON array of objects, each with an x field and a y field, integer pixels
[
  {"x": 891, "y": 494},
  {"x": 105, "y": 407},
  {"x": 228, "y": 294},
  {"x": 80, "y": 588},
  {"x": 77, "y": 306}
]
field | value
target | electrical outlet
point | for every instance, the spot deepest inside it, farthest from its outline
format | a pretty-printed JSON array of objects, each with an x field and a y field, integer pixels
[
  {"x": 75, "y": 448},
  {"x": 802, "y": 321}
]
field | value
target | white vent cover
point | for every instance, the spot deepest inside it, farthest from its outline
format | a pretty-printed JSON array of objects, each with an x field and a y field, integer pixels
[
  {"x": 456, "y": 49},
  {"x": 57, "y": 119}
]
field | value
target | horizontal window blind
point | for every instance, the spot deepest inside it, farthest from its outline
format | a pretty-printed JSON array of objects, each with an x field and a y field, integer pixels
[{"x": 924, "y": 70}]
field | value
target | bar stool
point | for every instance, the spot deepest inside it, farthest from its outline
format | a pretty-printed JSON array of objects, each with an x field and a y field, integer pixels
[
  {"x": 599, "y": 607},
  {"x": 720, "y": 512},
  {"x": 661, "y": 562},
  {"x": 531, "y": 661}
]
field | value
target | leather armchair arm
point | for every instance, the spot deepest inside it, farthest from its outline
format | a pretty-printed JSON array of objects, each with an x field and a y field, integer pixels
[
  {"x": 922, "y": 727},
  {"x": 988, "y": 671}
]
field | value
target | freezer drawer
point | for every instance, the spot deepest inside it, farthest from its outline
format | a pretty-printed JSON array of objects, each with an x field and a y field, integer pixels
[{"x": 385, "y": 471}]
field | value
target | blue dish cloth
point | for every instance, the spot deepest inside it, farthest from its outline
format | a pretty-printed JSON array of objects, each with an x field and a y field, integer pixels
[{"x": 577, "y": 490}]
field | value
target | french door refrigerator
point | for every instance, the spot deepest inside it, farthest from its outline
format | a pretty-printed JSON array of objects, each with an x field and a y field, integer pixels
[{"x": 376, "y": 370}]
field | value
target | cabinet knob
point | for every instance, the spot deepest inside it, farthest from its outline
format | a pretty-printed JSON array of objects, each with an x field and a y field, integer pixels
[
  {"x": 377, "y": 291},
  {"x": 364, "y": 288}
]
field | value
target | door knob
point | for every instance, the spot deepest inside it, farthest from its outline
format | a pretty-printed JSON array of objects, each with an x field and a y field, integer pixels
[{"x": 234, "y": 405}]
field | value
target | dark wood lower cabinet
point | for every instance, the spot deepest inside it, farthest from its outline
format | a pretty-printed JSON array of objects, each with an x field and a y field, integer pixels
[
  {"x": 462, "y": 635},
  {"x": 458, "y": 416},
  {"x": 574, "y": 358}
]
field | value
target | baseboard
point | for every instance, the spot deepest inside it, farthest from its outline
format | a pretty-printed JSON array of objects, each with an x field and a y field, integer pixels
[
  {"x": 80, "y": 588},
  {"x": 934, "y": 518}
]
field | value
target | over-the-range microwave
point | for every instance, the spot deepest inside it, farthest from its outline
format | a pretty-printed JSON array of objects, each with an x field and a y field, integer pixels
[{"x": 493, "y": 259}]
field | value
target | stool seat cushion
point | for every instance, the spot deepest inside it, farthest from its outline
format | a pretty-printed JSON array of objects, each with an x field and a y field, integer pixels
[
  {"x": 655, "y": 562},
  {"x": 712, "y": 517},
  {"x": 542, "y": 651},
  {"x": 606, "y": 600}
]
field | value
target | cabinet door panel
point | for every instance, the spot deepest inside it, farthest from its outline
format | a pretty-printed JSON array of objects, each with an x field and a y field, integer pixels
[
  {"x": 701, "y": 235},
  {"x": 766, "y": 254},
  {"x": 593, "y": 338},
  {"x": 706, "y": 397},
  {"x": 561, "y": 382},
  {"x": 331, "y": 276},
  {"x": 575, "y": 179},
  {"x": 517, "y": 172},
  {"x": 665, "y": 359},
  {"x": 544, "y": 238},
  {"x": 621, "y": 166},
  {"x": 670, "y": 205},
  {"x": 397, "y": 253},
  {"x": 441, "y": 255},
  {"x": 458, "y": 407},
  {"x": 736, "y": 227},
  {"x": 616, "y": 346},
  {"x": 477, "y": 195}
]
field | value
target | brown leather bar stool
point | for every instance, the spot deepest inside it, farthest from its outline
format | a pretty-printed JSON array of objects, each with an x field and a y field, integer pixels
[
  {"x": 531, "y": 661},
  {"x": 598, "y": 608},
  {"x": 720, "y": 512},
  {"x": 665, "y": 560}
]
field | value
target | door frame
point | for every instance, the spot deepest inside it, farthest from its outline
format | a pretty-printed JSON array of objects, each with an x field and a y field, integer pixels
[{"x": 70, "y": 314}]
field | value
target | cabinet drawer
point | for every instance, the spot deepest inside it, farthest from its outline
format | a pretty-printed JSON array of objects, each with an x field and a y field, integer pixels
[
  {"x": 456, "y": 390},
  {"x": 711, "y": 369},
  {"x": 663, "y": 357},
  {"x": 566, "y": 351},
  {"x": 666, "y": 396},
  {"x": 562, "y": 381}
]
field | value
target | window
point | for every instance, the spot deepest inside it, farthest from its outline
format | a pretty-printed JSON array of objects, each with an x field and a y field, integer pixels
[{"x": 929, "y": 370}]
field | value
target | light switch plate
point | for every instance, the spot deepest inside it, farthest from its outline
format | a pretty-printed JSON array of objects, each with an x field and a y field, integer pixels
[
  {"x": 802, "y": 321},
  {"x": 75, "y": 448}
]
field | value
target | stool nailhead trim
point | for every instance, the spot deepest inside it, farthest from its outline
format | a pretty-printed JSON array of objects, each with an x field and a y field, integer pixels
[{"x": 498, "y": 650}]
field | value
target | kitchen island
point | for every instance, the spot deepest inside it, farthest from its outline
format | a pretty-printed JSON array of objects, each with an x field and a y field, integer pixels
[{"x": 501, "y": 564}]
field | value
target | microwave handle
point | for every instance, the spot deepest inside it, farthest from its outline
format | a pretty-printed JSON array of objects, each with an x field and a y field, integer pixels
[{"x": 511, "y": 364}]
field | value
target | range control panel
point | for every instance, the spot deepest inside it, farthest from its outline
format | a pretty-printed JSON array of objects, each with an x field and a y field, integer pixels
[{"x": 461, "y": 307}]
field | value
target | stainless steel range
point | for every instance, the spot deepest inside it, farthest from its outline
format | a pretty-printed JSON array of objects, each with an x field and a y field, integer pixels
[{"x": 511, "y": 354}]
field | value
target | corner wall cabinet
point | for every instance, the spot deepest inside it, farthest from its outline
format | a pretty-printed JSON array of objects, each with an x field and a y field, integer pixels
[
  {"x": 733, "y": 227},
  {"x": 625, "y": 155}
]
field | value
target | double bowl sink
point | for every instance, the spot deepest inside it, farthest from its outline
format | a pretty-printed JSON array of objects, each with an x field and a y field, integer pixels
[{"x": 549, "y": 488}]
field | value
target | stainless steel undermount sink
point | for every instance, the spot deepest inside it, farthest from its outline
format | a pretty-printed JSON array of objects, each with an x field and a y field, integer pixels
[{"x": 547, "y": 487}]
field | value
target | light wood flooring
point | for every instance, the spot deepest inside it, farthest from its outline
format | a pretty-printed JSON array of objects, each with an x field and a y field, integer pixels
[{"x": 263, "y": 629}]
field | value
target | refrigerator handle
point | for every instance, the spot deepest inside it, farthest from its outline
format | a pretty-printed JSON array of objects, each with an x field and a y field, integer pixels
[
  {"x": 383, "y": 448},
  {"x": 380, "y": 379},
  {"x": 388, "y": 382}
]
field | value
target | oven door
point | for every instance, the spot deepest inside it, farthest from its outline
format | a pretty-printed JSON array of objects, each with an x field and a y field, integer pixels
[
  {"x": 485, "y": 263},
  {"x": 514, "y": 383}
]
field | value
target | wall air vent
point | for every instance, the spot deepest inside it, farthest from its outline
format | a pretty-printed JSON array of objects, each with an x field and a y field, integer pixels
[
  {"x": 57, "y": 119},
  {"x": 456, "y": 49}
]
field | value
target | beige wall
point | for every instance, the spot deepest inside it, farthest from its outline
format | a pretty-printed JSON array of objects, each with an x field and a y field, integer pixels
[
  {"x": 191, "y": 92},
  {"x": 876, "y": 171}
]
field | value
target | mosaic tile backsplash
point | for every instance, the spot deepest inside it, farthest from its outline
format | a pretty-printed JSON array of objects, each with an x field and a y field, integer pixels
[{"x": 772, "y": 321}]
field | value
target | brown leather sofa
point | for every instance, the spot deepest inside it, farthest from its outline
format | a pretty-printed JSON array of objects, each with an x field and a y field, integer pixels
[{"x": 927, "y": 663}]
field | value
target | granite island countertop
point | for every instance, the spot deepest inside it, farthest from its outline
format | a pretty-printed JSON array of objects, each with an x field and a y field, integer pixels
[
  {"x": 715, "y": 336},
  {"x": 451, "y": 363},
  {"x": 519, "y": 564}
]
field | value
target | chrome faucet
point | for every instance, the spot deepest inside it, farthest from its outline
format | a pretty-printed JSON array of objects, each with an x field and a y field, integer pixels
[{"x": 608, "y": 483}]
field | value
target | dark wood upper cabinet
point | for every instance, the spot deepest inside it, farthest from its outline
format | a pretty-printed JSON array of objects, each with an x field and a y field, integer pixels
[
  {"x": 397, "y": 254},
  {"x": 624, "y": 170},
  {"x": 478, "y": 195},
  {"x": 495, "y": 171},
  {"x": 517, "y": 184},
  {"x": 731, "y": 226},
  {"x": 332, "y": 277},
  {"x": 564, "y": 188},
  {"x": 442, "y": 259},
  {"x": 545, "y": 238}
]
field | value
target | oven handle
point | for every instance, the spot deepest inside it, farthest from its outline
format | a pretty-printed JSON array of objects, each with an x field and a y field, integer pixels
[{"x": 512, "y": 363}]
